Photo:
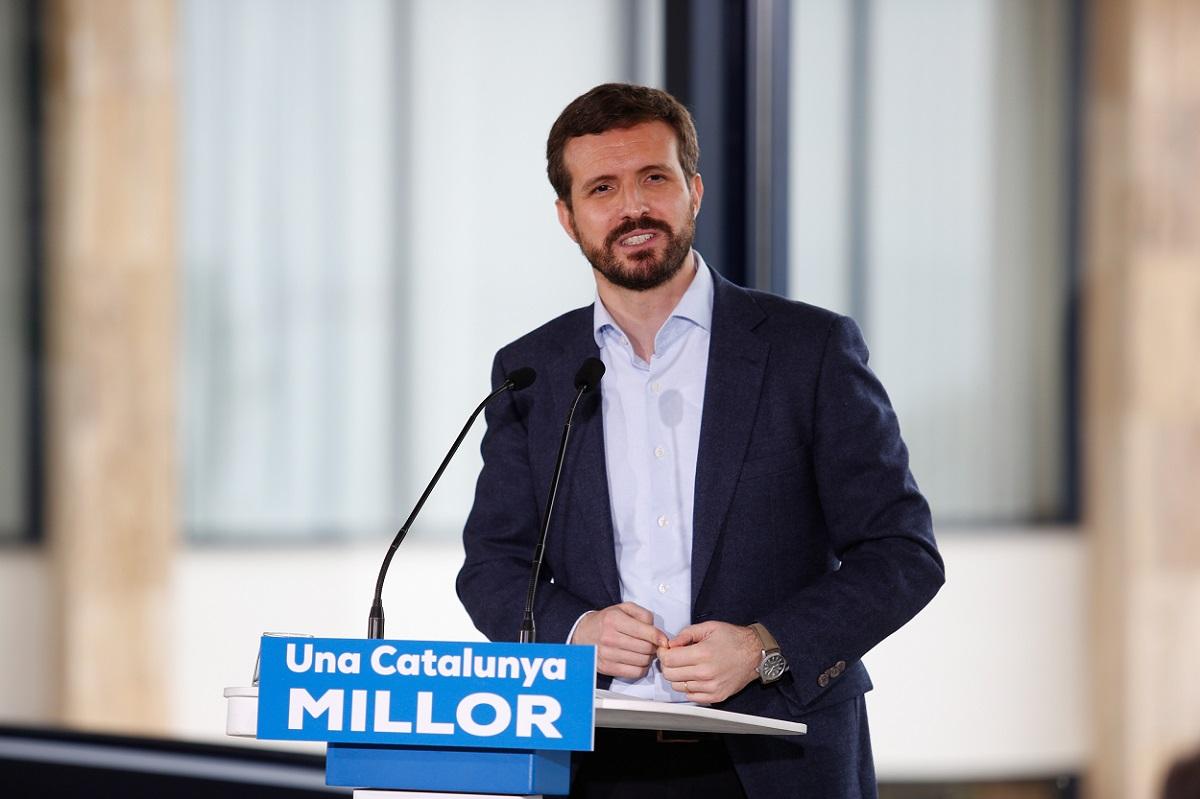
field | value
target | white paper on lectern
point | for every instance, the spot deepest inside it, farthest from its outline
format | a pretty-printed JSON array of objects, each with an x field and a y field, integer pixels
[
  {"x": 612, "y": 710},
  {"x": 619, "y": 710}
]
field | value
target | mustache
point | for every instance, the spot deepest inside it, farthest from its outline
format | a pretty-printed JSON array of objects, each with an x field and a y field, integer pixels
[{"x": 644, "y": 222}]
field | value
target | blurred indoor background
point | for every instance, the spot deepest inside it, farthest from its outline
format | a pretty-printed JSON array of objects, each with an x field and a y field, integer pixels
[{"x": 256, "y": 255}]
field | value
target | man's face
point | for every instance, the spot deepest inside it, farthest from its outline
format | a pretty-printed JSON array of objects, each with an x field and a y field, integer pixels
[{"x": 633, "y": 212}]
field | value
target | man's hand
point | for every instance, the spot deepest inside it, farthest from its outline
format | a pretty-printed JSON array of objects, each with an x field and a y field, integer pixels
[
  {"x": 625, "y": 638},
  {"x": 711, "y": 662}
]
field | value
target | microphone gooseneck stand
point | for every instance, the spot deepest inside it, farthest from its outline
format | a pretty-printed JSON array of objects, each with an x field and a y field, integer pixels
[
  {"x": 515, "y": 381},
  {"x": 586, "y": 379}
]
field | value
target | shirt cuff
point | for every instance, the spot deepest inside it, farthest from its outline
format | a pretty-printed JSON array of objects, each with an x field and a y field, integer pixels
[{"x": 571, "y": 634}]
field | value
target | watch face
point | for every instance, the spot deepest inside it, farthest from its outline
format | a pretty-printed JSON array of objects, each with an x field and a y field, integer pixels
[{"x": 772, "y": 667}]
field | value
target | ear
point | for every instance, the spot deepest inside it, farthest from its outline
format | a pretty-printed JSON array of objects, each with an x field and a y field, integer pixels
[
  {"x": 564, "y": 219},
  {"x": 697, "y": 194}
]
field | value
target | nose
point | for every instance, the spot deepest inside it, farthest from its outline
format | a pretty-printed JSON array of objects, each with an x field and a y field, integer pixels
[{"x": 633, "y": 202}]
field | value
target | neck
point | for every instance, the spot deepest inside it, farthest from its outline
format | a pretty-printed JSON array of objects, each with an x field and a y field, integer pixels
[{"x": 641, "y": 314}]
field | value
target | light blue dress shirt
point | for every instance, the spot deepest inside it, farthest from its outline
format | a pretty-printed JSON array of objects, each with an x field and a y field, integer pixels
[{"x": 651, "y": 437}]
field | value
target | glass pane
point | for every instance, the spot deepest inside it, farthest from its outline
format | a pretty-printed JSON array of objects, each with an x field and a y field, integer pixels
[
  {"x": 366, "y": 220},
  {"x": 928, "y": 202},
  {"x": 289, "y": 299},
  {"x": 14, "y": 270}
]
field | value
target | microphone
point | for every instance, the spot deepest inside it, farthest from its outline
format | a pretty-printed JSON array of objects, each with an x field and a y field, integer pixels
[
  {"x": 586, "y": 379},
  {"x": 515, "y": 381}
]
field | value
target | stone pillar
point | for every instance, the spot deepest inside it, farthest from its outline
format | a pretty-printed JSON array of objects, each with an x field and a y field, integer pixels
[
  {"x": 110, "y": 199},
  {"x": 1142, "y": 389}
]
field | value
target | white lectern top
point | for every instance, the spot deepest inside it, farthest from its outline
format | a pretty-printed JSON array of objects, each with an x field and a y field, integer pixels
[
  {"x": 612, "y": 710},
  {"x": 618, "y": 710}
]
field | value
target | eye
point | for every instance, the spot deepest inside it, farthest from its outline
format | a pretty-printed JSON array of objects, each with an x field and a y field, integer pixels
[
  {"x": 656, "y": 178},
  {"x": 601, "y": 188}
]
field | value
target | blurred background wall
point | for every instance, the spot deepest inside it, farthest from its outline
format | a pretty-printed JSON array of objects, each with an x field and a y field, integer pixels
[{"x": 257, "y": 257}]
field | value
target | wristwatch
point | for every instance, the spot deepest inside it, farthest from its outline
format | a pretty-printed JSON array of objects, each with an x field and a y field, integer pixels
[{"x": 772, "y": 664}]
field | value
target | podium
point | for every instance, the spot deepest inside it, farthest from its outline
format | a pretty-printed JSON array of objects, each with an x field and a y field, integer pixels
[{"x": 395, "y": 758}]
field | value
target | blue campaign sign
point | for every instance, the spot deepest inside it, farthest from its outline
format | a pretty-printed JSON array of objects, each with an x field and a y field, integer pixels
[{"x": 427, "y": 693}]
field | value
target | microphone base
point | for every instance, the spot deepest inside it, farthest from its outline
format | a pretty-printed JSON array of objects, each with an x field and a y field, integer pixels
[{"x": 374, "y": 628}]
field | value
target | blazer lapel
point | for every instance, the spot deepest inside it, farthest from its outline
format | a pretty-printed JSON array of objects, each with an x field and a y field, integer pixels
[
  {"x": 736, "y": 362},
  {"x": 585, "y": 470}
]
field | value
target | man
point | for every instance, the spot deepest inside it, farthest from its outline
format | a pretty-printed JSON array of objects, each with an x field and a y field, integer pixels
[{"x": 736, "y": 523}]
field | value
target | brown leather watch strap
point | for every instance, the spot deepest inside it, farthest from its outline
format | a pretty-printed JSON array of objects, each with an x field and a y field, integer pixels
[{"x": 764, "y": 635}]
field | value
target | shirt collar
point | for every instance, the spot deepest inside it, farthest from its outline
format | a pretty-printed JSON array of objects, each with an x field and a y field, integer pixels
[{"x": 694, "y": 306}]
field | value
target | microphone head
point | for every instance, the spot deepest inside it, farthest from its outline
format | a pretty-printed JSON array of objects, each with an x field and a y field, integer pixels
[
  {"x": 588, "y": 376},
  {"x": 521, "y": 378}
]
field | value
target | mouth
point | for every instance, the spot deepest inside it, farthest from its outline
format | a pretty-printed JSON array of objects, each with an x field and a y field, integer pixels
[{"x": 638, "y": 239}]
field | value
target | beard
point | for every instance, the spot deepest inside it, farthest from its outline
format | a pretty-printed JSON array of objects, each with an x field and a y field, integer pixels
[{"x": 649, "y": 270}]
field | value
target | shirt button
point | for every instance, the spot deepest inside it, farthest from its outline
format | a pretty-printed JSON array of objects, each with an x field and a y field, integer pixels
[
  {"x": 655, "y": 388},
  {"x": 662, "y": 588},
  {"x": 659, "y": 452},
  {"x": 662, "y": 521}
]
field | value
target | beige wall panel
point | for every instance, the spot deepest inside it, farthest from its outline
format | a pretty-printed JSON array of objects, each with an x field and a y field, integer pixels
[
  {"x": 111, "y": 348},
  {"x": 1166, "y": 115},
  {"x": 1142, "y": 287},
  {"x": 1166, "y": 310}
]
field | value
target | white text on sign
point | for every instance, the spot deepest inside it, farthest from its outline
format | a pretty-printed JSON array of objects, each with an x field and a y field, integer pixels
[{"x": 532, "y": 712}]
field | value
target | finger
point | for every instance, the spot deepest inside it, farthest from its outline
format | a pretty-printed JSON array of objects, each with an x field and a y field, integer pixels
[
  {"x": 698, "y": 688},
  {"x": 685, "y": 673},
  {"x": 636, "y": 611},
  {"x": 693, "y": 686},
  {"x": 682, "y": 657},
  {"x": 616, "y": 639},
  {"x": 707, "y": 698},
  {"x": 639, "y": 629},
  {"x": 625, "y": 656},
  {"x": 620, "y": 670},
  {"x": 646, "y": 617},
  {"x": 689, "y": 635}
]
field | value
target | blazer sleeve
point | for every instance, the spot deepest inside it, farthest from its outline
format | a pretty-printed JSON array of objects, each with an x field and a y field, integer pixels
[
  {"x": 501, "y": 533},
  {"x": 879, "y": 526}
]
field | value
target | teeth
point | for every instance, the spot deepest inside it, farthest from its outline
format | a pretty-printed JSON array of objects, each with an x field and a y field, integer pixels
[{"x": 635, "y": 240}]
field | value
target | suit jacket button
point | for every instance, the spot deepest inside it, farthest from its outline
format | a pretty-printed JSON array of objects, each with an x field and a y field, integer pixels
[
  {"x": 823, "y": 680},
  {"x": 839, "y": 667}
]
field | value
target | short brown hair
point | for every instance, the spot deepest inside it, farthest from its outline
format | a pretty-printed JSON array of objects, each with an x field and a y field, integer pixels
[{"x": 612, "y": 106}]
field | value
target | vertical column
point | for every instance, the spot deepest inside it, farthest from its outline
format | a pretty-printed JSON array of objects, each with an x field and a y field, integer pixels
[
  {"x": 111, "y": 325},
  {"x": 1142, "y": 400}
]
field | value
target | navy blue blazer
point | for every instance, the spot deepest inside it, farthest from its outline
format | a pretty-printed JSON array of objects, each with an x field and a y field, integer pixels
[{"x": 807, "y": 518}]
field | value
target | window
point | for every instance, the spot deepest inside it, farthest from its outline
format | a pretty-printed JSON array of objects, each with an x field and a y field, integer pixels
[
  {"x": 929, "y": 191},
  {"x": 366, "y": 220},
  {"x": 15, "y": 274}
]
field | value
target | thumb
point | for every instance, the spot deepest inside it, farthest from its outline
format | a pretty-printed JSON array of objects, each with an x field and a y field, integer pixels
[
  {"x": 636, "y": 611},
  {"x": 686, "y": 636}
]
